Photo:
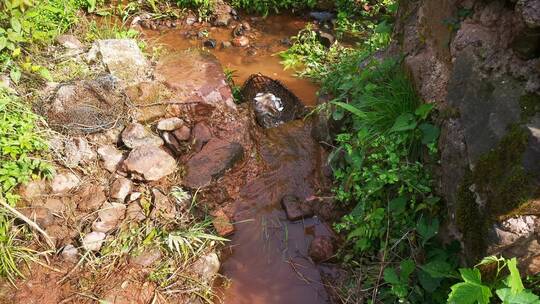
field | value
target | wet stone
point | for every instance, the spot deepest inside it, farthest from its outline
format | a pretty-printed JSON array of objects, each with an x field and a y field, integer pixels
[
  {"x": 240, "y": 41},
  {"x": 210, "y": 43},
  {"x": 321, "y": 249},
  {"x": 226, "y": 44},
  {"x": 111, "y": 157},
  {"x": 222, "y": 223},
  {"x": 149, "y": 163},
  {"x": 295, "y": 208},
  {"x": 136, "y": 135},
  {"x": 200, "y": 135},
  {"x": 212, "y": 161},
  {"x": 182, "y": 134}
]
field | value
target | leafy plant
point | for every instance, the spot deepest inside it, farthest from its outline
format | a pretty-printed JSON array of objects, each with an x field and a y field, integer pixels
[
  {"x": 192, "y": 240},
  {"x": 505, "y": 282},
  {"x": 11, "y": 253}
]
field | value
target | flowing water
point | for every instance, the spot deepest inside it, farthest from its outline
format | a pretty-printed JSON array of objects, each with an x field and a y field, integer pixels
[{"x": 267, "y": 260}]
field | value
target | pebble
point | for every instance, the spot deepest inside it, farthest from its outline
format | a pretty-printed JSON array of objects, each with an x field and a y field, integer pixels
[
  {"x": 170, "y": 124},
  {"x": 93, "y": 241}
]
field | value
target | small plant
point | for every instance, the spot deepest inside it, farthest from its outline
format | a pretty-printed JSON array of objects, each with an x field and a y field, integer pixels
[
  {"x": 193, "y": 240},
  {"x": 502, "y": 277},
  {"x": 11, "y": 253},
  {"x": 236, "y": 90}
]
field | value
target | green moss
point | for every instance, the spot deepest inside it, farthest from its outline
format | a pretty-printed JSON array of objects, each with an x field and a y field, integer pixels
[
  {"x": 502, "y": 181},
  {"x": 470, "y": 221},
  {"x": 530, "y": 105},
  {"x": 499, "y": 174}
]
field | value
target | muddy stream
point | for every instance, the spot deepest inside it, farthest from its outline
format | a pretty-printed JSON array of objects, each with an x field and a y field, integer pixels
[{"x": 267, "y": 260}]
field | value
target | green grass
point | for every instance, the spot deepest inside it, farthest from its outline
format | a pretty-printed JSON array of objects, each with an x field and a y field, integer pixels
[{"x": 11, "y": 253}]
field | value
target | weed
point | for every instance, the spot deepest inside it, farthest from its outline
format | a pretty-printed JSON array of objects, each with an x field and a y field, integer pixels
[
  {"x": 11, "y": 254},
  {"x": 236, "y": 90}
]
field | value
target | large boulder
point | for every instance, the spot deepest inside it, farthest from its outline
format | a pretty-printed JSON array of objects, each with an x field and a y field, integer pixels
[
  {"x": 122, "y": 57},
  {"x": 149, "y": 163},
  {"x": 211, "y": 162}
]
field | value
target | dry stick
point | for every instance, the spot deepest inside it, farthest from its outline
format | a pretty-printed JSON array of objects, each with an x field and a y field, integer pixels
[
  {"x": 29, "y": 222},
  {"x": 81, "y": 260}
]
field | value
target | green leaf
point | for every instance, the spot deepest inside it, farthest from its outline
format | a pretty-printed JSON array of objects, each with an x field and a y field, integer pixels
[
  {"x": 469, "y": 293},
  {"x": 424, "y": 110},
  {"x": 15, "y": 75},
  {"x": 404, "y": 122},
  {"x": 350, "y": 108},
  {"x": 438, "y": 269},
  {"x": 427, "y": 230},
  {"x": 407, "y": 267},
  {"x": 524, "y": 297},
  {"x": 45, "y": 74},
  {"x": 429, "y": 283},
  {"x": 430, "y": 133},
  {"x": 3, "y": 43},
  {"x": 514, "y": 279},
  {"x": 390, "y": 276},
  {"x": 16, "y": 24},
  {"x": 397, "y": 205}
]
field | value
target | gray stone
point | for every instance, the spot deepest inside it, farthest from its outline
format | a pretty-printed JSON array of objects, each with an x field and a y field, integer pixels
[
  {"x": 149, "y": 163},
  {"x": 33, "y": 189},
  {"x": 77, "y": 151},
  {"x": 170, "y": 124},
  {"x": 136, "y": 135},
  {"x": 207, "y": 267},
  {"x": 64, "y": 182},
  {"x": 70, "y": 253},
  {"x": 212, "y": 161},
  {"x": 120, "y": 188},
  {"x": 109, "y": 217},
  {"x": 111, "y": 157},
  {"x": 93, "y": 241},
  {"x": 122, "y": 57},
  {"x": 530, "y": 12},
  {"x": 69, "y": 42}
]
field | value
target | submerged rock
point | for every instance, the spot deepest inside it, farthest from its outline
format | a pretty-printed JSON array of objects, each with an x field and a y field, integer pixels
[
  {"x": 211, "y": 162},
  {"x": 321, "y": 249},
  {"x": 207, "y": 267},
  {"x": 149, "y": 163},
  {"x": 240, "y": 41},
  {"x": 295, "y": 208}
]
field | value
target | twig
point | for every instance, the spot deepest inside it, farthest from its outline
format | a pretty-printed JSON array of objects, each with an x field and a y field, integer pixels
[
  {"x": 29, "y": 222},
  {"x": 376, "y": 287}
]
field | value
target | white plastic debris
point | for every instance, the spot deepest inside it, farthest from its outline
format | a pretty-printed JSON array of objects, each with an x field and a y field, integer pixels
[{"x": 269, "y": 102}]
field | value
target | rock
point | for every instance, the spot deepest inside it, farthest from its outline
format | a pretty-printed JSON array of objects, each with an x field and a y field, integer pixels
[
  {"x": 33, "y": 189},
  {"x": 109, "y": 217},
  {"x": 69, "y": 42},
  {"x": 172, "y": 143},
  {"x": 163, "y": 207},
  {"x": 200, "y": 135},
  {"x": 212, "y": 161},
  {"x": 134, "y": 196},
  {"x": 295, "y": 208},
  {"x": 241, "y": 29},
  {"x": 70, "y": 253},
  {"x": 146, "y": 258},
  {"x": 222, "y": 223},
  {"x": 226, "y": 44},
  {"x": 135, "y": 212},
  {"x": 182, "y": 134},
  {"x": 77, "y": 151},
  {"x": 111, "y": 157},
  {"x": 190, "y": 20},
  {"x": 526, "y": 44},
  {"x": 120, "y": 188},
  {"x": 41, "y": 215},
  {"x": 222, "y": 13},
  {"x": 207, "y": 267},
  {"x": 91, "y": 198},
  {"x": 322, "y": 16},
  {"x": 170, "y": 124},
  {"x": 64, "y": 182},
  {"x": 122, "y": 57},
  {"x": 93, "y": 241},
  {"x": 210, "y": 43},
  {"x": 86, "y": 106},
  {"x": 135, "y": 135},
  {"x": 530, "y": 12},
  {"x": 149, "y": 163},
  {"x": 321, "y": 249},
  {"x": 55, "y": 205},
  {"x": 325, "y": 38},
  {"x": 195, "y": 76},
  {"x": 240, "y": 41}
]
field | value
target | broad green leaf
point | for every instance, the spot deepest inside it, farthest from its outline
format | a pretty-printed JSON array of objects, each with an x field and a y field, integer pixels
[
  {"x": 514, "y": 279},
  {"x": 427, "y": 230},
  {"x": 390, "y": 276},
  {"x": 16, "y": 24},
  {"x": 3, "y": 43},
  {"x": 438, "y": 269},
  {"x": 407, "y": 267},
  {"x": 404, "y": 122},
  {"x": 397, "y": 205},
  {"x": 429, "y": 283},
  {"x": 471, "y": 275},
  {"x": 424, "y": 110},
  {"x": 350, "y": 108},
  {"x": 430, "y": 133},
  {"x": 469, "y": 293},
  {"x": 524, "y": 297},
  {"x": 15, "y": 75},
  {"x": 45, "y": 74}
]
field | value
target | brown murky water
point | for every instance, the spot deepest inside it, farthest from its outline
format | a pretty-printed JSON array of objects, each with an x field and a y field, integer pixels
[{"x": 267, "y": 260}]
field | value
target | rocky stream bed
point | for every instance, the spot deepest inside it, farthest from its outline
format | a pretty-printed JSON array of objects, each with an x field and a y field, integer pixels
[{"x": 139, "y": 131}]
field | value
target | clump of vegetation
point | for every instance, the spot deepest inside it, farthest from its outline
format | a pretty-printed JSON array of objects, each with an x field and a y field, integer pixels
[{"x": 265, "y": 7}]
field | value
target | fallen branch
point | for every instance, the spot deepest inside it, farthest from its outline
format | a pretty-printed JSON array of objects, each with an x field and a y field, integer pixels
[{"x": 29, "y": 222}]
